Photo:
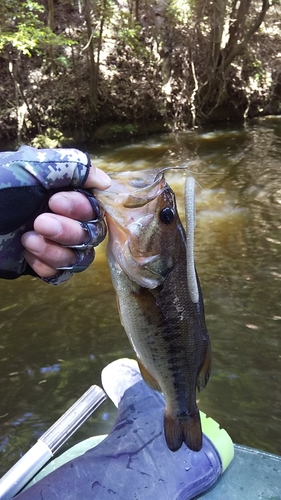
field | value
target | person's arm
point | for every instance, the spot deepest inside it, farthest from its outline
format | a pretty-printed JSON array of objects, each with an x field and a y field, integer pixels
[{"x": 28, "y": 178}]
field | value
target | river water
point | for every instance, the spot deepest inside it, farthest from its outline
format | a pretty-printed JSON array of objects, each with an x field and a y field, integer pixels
[{"x": 55, "y": 341}]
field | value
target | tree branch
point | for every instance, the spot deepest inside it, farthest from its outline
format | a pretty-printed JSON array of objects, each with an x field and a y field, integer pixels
[{"x": 239, "y": 47}]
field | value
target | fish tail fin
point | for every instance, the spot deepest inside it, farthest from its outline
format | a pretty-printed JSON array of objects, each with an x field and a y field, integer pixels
[{"x": 184, "y": 429}]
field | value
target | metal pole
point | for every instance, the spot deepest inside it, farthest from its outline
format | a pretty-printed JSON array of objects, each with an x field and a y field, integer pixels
[{"x": 19, "y": 475}]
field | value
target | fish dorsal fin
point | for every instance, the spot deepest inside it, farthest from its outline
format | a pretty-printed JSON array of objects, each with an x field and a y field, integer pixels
[
  {"x": 190, "y": 218},
  {"x": 205, "y": 369},
  {"x": 149, "y": 379}
]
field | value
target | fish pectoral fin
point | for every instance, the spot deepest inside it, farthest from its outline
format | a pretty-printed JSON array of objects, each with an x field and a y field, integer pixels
[
  {"x": 183, "y": 429},
  {"x": 205, "y": 369},
  {"x": 119, "y": 309},
  {"x": 149, "y": 379},
  {"x": 148, "y": 305}
]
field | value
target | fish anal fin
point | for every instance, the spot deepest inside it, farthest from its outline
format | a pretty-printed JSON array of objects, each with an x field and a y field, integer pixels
[
  {"x": 179, "y": 430},
  {"x": 149, "y": 379},
  {"x": 205, "y": 369}
]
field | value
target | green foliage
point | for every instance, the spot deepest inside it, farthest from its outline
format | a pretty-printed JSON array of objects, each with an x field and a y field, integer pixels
[
  {"x": 178, "y": 62},
  {"x": 259, "y": 74},
  {"x": 180, "y": 10},
  {"x": 123, "y": 129},
  {"x": 23, "y": 29},
  {"x": 62, "y": 61},
  {"x": 129, "y": 35},
  {"x": 52, "y": 138}
]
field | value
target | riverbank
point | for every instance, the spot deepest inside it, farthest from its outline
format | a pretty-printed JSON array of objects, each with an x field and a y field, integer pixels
[{"x": 73, "y": 74}]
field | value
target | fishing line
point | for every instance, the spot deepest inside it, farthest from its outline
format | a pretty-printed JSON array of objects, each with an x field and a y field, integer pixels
[
  {"x": 178, "y": 167},
  {"x": 188, "y": 171}
]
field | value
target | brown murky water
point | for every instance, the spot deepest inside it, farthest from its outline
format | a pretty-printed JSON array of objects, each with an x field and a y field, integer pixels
[{"x": 54, "y": 342}]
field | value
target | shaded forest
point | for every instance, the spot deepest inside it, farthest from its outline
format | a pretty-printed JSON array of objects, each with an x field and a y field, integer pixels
[{"x": 85, "y": 70}]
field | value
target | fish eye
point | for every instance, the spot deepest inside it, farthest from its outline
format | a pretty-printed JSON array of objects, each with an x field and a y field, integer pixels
[{"x": 166, "y": 215}]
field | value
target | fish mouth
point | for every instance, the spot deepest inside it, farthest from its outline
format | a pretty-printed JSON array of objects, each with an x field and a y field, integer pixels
[
  {"x": 130, "y": 190},
  {"x": 129, "y": 204}
]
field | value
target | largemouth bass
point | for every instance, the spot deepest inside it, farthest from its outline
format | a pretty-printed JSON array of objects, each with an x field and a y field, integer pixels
[{"x": 162, "y": 315}]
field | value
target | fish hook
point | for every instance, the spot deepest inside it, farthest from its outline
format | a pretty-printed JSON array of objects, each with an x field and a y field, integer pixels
[{"x": 178, "y": 167}]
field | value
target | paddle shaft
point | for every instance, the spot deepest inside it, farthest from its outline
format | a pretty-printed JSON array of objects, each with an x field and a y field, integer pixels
[{"x": 19, "y": 475}]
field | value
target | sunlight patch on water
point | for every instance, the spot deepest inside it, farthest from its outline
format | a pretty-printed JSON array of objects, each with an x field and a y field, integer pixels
[
  {"x": 148, "y": 143},
  {"x": 217, "y": 215},
  {"x": 219, "y": 134},
  {"x": 110, "y": 167}
]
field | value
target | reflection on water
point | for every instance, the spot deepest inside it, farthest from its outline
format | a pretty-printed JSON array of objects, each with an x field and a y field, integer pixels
[{"x": 55, "y": 341}]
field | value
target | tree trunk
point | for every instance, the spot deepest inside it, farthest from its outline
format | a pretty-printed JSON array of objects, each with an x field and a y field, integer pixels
[
  {"x": 90, "y": 49},
  {"x": 23, "y": 109},
  {"x": 217, "y": 27},
  {"x": 50, "y": 24},
  {"x": 137, "y": 9},
  {"x": 97, "y": 66},
  {"x": 236, "y": 47},
  {"x": 212, "y": 90}
]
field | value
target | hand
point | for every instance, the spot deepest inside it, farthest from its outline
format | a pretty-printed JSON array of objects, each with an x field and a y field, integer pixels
[
  {"x": 44, "y": 250},
  {"x": 30, "y": 180}
]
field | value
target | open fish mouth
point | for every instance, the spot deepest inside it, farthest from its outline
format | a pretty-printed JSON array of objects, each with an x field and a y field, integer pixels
[
  {"x": 130, "y": 190},
  {"x": 134, "y": 190},
  {"x": 135, "y": 180}
]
